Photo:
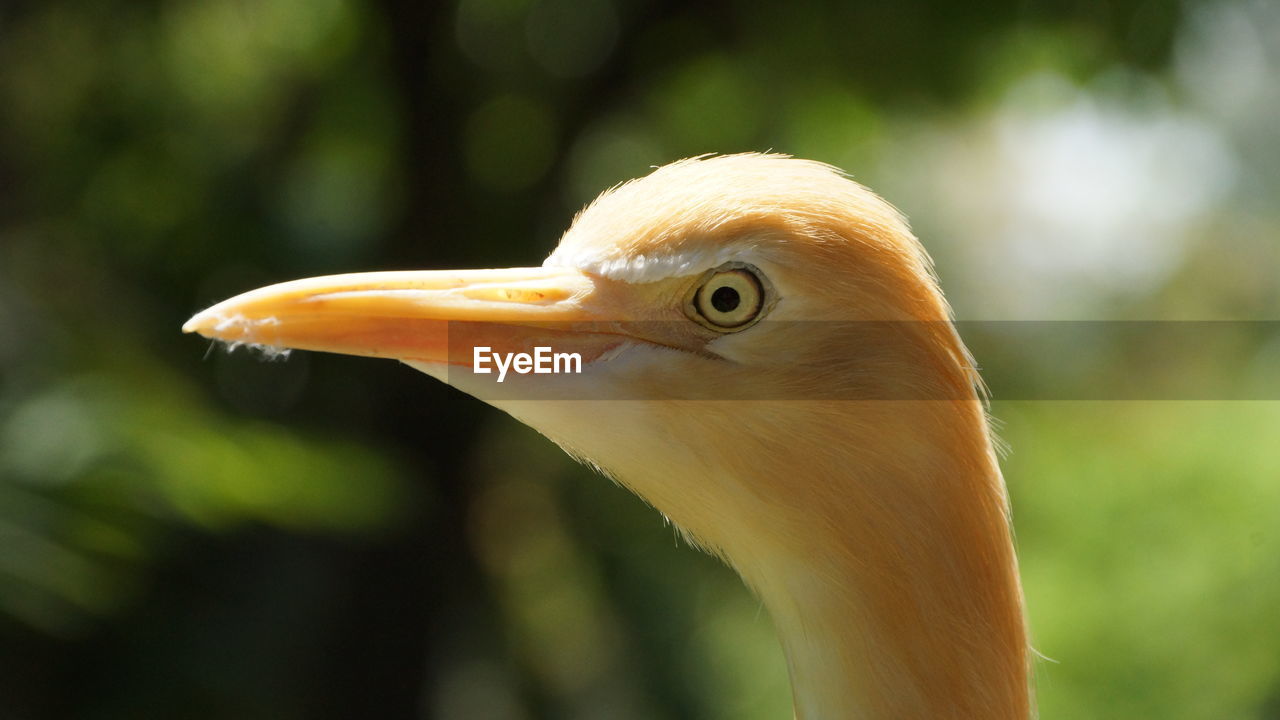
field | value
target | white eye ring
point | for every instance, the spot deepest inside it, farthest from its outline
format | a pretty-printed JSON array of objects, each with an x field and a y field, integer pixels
[{"x": 729, "y": 298}]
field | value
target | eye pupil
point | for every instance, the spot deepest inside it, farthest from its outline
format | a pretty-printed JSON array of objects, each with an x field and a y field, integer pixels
[{"x": 725, "y": 299}]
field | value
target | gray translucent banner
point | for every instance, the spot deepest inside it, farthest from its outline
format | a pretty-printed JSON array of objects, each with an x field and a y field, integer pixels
[{"x": 783, "y": 361}]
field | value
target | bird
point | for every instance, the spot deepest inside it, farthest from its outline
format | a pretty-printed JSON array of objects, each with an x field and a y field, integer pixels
[{"x": 765, "y": 356}]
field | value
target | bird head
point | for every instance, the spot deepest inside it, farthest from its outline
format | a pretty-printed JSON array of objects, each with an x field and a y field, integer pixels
[{"x": 713, "y": 303}]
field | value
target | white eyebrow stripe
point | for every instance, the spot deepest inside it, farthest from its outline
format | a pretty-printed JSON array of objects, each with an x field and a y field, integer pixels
[{"x": 644, "y": 269}]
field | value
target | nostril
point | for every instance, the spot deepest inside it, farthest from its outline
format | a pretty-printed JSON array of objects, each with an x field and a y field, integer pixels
[{"x": 515, "y": 294}]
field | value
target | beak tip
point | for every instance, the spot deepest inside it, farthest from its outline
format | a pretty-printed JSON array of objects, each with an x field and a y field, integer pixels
[
  {"x": 199, "y": 323},
  {"x": 213, "y": 325}
]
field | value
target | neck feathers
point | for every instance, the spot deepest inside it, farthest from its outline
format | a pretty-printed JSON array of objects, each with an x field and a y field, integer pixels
[{"x": 903, "y": 599}]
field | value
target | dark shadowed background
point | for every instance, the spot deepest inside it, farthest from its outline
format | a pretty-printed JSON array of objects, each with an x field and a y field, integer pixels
[{"x": 187, "y": 532}]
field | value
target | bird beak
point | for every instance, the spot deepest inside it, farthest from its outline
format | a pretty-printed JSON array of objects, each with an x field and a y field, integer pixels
[{"x": 433, "y": 317}]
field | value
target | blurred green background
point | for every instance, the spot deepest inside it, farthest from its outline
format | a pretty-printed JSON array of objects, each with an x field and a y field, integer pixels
[{"x": 187, "y": 532}]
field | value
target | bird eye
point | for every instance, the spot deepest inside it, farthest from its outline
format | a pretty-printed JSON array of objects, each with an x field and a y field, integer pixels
[{"x": 730, "y": 298}]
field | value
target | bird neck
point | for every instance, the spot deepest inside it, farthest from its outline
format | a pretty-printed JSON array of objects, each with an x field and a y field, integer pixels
[
  {"x": 884, "y": 555},
  {"x": 901, "y": 599}
]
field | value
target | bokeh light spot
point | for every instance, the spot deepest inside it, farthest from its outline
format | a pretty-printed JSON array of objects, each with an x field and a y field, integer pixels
[
  {"x": 510, "y": 142},
  {"x": 571, "y": 38}
]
